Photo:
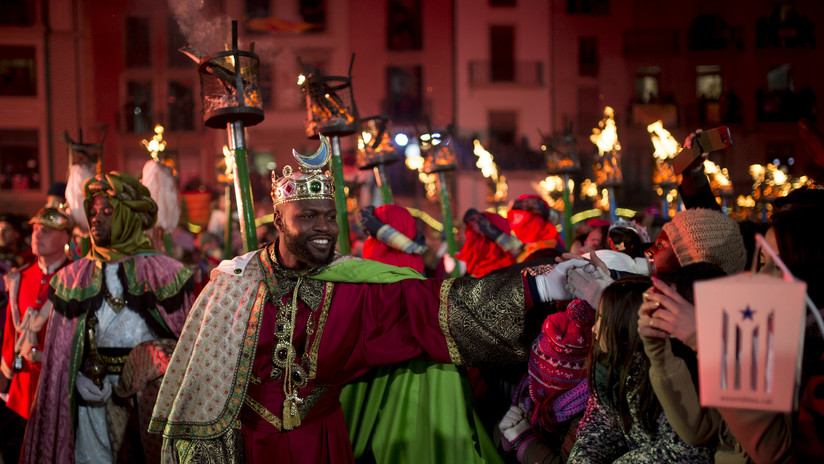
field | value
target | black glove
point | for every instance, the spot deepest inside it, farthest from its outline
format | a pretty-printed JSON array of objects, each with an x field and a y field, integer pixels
[
  {"x": 480, "y": 224},
  {"x": 369, "y": 223},
  {"x": 420, "y": 239}
]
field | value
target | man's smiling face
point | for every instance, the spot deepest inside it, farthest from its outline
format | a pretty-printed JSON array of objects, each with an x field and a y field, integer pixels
[{"x": 308, "y": 232}]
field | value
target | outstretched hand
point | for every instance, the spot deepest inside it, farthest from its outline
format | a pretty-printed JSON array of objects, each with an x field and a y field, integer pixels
[
  {"x": 665, "y": 313},
  {"x": 593, "y": 259}
]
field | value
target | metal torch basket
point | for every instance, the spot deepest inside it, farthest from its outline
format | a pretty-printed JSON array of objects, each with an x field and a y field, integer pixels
[
  {"x": 438, "y": 157},
  {"x": 374, "y": 144},
  {"x": 561, "y": 161},
  {"x": 228, "y": 96},
  {"x": 330, "y": 106}
]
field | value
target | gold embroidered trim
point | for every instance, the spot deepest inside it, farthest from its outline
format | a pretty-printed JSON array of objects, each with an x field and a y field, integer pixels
[
  {"x": 266, "y": 414},
  {"x": 443, "y": 318},
  {"x": 313, "y": 350}
]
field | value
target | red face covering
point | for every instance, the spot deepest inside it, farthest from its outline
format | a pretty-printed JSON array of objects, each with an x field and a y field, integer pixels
[
  {"x": 482, "y": 255},
  {"x": 399, "y": 218},
  {"x": 530, "y": 227}
]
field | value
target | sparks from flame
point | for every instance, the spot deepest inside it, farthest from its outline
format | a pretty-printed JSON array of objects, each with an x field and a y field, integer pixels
[{"x": 157, "y": 144}]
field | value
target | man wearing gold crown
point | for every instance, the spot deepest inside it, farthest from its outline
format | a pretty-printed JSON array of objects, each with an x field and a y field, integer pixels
[
  {"x": 116, "y": 315},
  {"x": 277, "y": 332},
  {"x": 26, "y": 321}
]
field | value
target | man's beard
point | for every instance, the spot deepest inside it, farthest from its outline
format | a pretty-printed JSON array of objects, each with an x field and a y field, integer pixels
[{"x": 297, "y": 246}]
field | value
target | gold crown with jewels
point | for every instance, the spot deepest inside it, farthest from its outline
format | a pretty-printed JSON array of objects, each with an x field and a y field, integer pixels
[{"x": 312, "y": 184}]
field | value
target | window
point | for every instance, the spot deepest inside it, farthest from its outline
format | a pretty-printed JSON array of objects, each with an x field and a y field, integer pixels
[
  {"x": 588, "y": 56},
  {"x": 19, "y": 159},
  {"x": 18, "y": 72},
  {"x": 181, "y": 106},
  {"x": 502, "y": 53},
  {"x": 598, "y": 7},
  {"x": 404, "y": 25},
  {"x": 646, "y": 84},
  {"x": 138, "y": 49},
  {"x": 404, "y": 93},
  {"x": 503, "y": 2},
  {"x": 17, "y": 12},
  {"x": 503, "y": 128},
  {"x": 258, "y": 9},
  {"x": 708, "y": 83},
  {"x": 138, "y": 107},
  {"x": 314, "y": 13}
]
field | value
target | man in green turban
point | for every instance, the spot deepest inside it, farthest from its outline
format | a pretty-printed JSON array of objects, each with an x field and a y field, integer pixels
[{"x": 117, "y": 314}]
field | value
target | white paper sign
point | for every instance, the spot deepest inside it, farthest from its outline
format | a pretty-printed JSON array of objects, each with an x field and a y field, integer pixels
[{"x": 749, "y": 329}]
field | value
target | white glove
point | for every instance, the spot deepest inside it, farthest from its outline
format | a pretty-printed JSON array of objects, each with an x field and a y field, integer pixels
[
  {"x": 552, "y": 286},
  {"x": 89, "y": 391},
  {"x": 588, "y": 283},
  {"x": 512, "y": 417},
  {"x": 511, "y": 434}
]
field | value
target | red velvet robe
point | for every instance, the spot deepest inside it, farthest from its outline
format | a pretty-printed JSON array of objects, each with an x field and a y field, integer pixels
[{"x": 367, "y": 326}]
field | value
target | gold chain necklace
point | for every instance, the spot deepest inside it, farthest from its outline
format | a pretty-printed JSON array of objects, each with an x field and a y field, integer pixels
[{"x": 291, "y": 418}]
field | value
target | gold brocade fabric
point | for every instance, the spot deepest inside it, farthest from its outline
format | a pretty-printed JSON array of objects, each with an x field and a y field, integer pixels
[
  {"x": 224, "y": 449},
  {"x": 486, "y": 319}
]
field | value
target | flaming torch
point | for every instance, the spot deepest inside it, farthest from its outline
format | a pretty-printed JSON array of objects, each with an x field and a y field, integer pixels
[
  {"x": 607, "y": 166},
  {"x": 375, "y": 151},
  {"x": 496, "y": 188},
  {"x": 159, "y": 176},
  {"x": 562, "y": 164},
  {"x": 664, "y": 178},
  {"x": 230, "y": 90},
  {"x": 719, "y": 183},
  {"x": 437, "y": 160},
  {"x": 770, "y": 182},
  {"x": 415, "y": 162},
  {"x": 331, "y": 111}
]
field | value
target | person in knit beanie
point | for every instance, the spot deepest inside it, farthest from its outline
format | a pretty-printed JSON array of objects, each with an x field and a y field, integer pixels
[
  {"x": 553, "y": 395},
  {"x": 699, "y": 235}
]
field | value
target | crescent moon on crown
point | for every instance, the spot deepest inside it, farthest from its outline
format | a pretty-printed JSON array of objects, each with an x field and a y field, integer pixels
[{"x": 318, "y": 159}]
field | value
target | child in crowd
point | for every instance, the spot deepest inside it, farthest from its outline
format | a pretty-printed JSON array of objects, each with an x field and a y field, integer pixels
[
  {"x": 624, "y": 421},
  {"x": 542, "y": 423}
]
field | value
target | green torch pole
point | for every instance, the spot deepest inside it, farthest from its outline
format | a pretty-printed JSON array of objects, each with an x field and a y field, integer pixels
[
  {"x": 340, "y": 196},
  {"x": 567, "y": 213},
  {"x": 243, "y": 187},
  {"x": 448, "y": 227},
  {"x": 383, "y": 184},
  {"x": 227, "y": 232}
]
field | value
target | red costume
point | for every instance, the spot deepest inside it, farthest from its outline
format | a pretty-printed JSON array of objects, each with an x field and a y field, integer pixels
[
  {"x": 481, "y": 254},
  {"x": 399, "y": 218},
  {"x": 31, "y": 293}
]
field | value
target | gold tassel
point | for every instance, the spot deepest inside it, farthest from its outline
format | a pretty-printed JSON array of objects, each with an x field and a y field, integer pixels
[{"x": 287, "y": 415}]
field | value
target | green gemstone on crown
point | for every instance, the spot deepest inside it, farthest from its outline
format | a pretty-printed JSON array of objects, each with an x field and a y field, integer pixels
[{"x": 315, "y": 186}]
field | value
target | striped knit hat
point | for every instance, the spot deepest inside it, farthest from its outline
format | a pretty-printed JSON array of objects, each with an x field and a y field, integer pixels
[{"x": 705, "y": 235}]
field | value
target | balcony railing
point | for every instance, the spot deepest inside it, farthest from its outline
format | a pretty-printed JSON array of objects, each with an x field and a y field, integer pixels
[{"x": 530, "y": 73}]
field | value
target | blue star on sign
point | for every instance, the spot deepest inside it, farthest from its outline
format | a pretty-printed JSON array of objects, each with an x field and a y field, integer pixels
[{"x": 747, "y": 314}]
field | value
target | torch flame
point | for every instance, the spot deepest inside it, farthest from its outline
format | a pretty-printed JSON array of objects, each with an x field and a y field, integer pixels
[
  {"x": 498, "y": 188},
  {"x": 666, "y": 147},
  {"x": 719, "y": 178},
  {"x": 605, "y": 136}
]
